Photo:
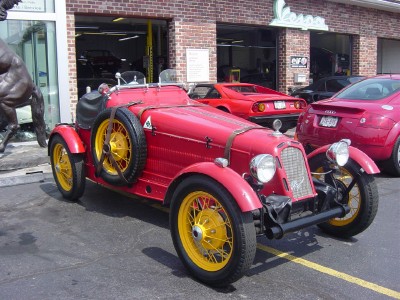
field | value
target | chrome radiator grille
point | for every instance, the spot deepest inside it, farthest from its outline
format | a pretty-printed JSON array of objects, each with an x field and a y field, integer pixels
[{"x": 296, "y": 171}]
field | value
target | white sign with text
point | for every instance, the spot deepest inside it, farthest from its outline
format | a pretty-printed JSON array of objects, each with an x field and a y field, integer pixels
[
  {"x": 197, "y": 65},
  {"x": 31, "y": 5}
]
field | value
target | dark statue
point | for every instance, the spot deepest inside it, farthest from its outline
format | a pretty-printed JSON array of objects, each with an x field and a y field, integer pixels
[{"x": 17, "y": 89}]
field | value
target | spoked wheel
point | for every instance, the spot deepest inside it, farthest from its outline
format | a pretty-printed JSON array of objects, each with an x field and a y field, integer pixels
[
  {"x": 362, "y": 199},
  {"x": 67, "y": 168},
  {"x": 126, "y": 146},
  {"x": 214, "y": 239}
]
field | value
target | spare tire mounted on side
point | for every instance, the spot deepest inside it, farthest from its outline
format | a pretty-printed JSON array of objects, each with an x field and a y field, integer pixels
[{"x": 119, "y": 150}]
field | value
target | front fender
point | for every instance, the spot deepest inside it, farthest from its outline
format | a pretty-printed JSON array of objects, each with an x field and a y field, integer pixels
[
  {"x": 357, "y": 155},
  {"x": 70, "y": 136},
  {"x": 244, "y": 195}
]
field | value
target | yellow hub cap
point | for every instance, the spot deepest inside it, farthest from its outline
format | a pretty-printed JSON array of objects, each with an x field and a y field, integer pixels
[
  {"x": 62, "y": 167},
  {"x": 354, "y": 197},
  {"x": 206, "y": 231},
  {"x": 120, "y": 146}
]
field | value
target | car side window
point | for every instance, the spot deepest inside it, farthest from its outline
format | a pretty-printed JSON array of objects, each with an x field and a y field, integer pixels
[
  {"x": 200, "y": 92},
  {"x": 213, "y": 94},
  {"x": 321, "y": 87},
  {"x": 334, "y": 85}
]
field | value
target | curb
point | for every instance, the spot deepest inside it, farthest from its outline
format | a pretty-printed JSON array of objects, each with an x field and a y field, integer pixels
[{"x": 25, "y": 176}]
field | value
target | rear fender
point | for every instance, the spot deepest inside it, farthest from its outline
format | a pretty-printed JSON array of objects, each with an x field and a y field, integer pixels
[
  {"x": 244, "y": 195},
  {"x": 70, "y": 137},
  {"x": 357, "y": 155},
  {"x": 392, "y": 137}
]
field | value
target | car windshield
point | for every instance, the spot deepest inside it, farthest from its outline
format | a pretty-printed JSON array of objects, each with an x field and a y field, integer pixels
[{"x": 370, "y": 89}]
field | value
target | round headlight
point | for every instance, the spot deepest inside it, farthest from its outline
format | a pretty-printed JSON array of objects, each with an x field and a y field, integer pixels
[
  {"x": 262, "y": 167},
  {"x": 338, "y": 153}
]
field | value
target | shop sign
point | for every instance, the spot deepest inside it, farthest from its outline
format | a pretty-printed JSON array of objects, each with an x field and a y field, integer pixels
[
  {"x": 298, "y": 62},
  {"x": 285, "y": 18},
  {"x": 197, "y": 65},
  {"x": 31, "y": 5}
]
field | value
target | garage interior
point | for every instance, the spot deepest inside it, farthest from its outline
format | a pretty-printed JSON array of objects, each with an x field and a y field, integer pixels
[
  {"x": 118, "y": 44},
  {"x": 246, "y": 54}
]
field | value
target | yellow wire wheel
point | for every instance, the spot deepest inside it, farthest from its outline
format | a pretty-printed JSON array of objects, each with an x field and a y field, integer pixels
[
  {"x": 125, "y": 150},
  {"x": 63, "y": 167},
  {"x": 206, "y": 231},
  {"x": 362, "y": 199},
  {"x": 354, "y": 197},
  {"x": 120, "y": 146},
  {"x": 67, "y": 169},
  {"x": 215, "y": 240}
]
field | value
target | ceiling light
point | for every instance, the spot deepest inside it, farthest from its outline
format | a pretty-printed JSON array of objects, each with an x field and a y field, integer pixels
[
  {"x": 129, "y": 38},
  {"x": 86, "y": 27},
  {"x": 118, "y": 19}
]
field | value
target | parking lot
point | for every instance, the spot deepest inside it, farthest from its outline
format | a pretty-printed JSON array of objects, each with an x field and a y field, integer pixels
[{"x": 108, "y": 246}]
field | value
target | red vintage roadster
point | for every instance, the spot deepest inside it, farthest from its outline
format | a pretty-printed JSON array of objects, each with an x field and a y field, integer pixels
[{"x": 225, "y": 179}]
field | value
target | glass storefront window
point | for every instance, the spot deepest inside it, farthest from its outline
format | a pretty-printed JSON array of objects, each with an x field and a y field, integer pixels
[{"x": 35, "y": 43}]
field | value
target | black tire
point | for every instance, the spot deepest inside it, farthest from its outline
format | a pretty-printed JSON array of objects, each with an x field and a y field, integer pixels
[
  {"x": 363, "y": 199},
  {"x": 68, "y": 169},
  {"x": 127, "y": 146},
  {"x": 392, "y": 165},
  {"x": 200, "y": 238}
]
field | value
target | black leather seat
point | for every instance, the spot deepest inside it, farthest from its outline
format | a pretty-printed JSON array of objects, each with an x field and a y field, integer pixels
[{"x": 88, "y": 108}]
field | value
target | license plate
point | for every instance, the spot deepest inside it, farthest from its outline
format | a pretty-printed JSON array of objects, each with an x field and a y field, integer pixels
[
  {"x": 328, "y": 121},
  {"x": 279, "y": 104}
]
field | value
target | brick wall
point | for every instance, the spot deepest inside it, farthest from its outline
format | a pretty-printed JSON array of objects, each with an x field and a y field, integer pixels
[
  {"x": 183, "y": 35},
  {"x": 193, "y": 24},
  {"x": 292, "y": 42}
]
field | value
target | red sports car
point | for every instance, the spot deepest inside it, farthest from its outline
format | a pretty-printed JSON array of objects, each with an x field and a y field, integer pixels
[
  {"x": 252, "y": 102},
  {"x": 367, "y": 113}
]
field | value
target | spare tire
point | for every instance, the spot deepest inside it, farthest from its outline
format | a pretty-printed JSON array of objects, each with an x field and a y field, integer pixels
[{"x": 127, "y": 146}]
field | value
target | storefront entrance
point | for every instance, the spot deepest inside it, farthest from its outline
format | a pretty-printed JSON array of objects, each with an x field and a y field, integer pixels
[
  {"x": 35, "y": 43},
  {"x": 330, "y": 54},
  {"x": 246, "y": 54}
]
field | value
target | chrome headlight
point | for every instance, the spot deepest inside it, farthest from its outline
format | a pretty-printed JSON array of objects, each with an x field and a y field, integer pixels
[
  {"x": 338, "y": 153},
  {"x": 262, "y": 167}
]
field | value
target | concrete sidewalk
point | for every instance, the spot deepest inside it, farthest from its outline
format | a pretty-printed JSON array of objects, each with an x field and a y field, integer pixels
[{"x": 24, "y": 162}]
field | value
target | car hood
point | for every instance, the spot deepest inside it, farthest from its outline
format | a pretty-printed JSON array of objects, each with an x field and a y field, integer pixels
[{"x": 206, "y": 123}]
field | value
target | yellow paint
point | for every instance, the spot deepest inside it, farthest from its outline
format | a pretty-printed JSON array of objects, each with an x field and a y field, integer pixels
[
  {"x": 365, "y": 284},
  {"x": 149, "y": 51}
]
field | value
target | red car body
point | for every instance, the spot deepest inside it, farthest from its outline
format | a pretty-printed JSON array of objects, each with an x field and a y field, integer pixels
[
  {"x": 252, "y": 102},
  {"x": 367, "y": 113},
  {"x": 225, "y": 179}
]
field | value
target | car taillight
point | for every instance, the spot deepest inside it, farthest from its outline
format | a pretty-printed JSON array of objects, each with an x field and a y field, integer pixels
[
  {"x": 300, "y": 104},
  {"x": 375, "y": 121},
  {"x": 258, "y": 107}
]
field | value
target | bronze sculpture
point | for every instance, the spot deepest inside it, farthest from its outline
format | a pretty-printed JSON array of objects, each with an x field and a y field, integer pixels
[{"x": 17, "y": 89}]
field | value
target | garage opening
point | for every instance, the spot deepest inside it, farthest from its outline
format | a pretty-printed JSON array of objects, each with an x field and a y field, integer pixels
[
  {"x": 246, "y": 54},
  {"x": 330, "y": 54},
  {"x": 388, "y": 56},
  {"x": 106, "y": 45}
]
